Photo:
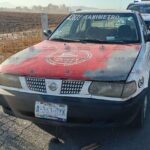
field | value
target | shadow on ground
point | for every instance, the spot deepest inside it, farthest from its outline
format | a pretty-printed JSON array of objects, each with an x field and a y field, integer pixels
[{"x": 124, "y": 138}]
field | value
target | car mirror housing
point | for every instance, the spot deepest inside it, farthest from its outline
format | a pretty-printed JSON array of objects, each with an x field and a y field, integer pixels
[{"x": 47, "y": 32}]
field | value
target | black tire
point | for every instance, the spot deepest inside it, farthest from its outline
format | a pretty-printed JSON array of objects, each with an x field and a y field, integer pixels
[
  {"x": 8, "y": 111},
  {"x": 139, "y": 120}
]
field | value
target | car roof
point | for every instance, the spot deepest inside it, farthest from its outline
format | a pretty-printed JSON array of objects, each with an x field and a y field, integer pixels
[{"x": 103, "y": 11}]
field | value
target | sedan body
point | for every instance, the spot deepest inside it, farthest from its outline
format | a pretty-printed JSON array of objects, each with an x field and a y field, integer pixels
[{"x": 92, "y": 70}]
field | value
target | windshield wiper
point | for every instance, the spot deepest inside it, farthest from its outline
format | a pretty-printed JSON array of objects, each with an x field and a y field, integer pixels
[
  {"x": 65, "y": 40},
  {"x": 92, "y": 41},
  {"x": 96, "y": 41},
  {"x": 80, "y": 40},
  {"x": 105, "y": 42},
  {"x": 124, "y": 42}
]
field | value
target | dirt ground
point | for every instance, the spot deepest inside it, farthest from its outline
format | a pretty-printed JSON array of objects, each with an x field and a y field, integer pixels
[{"x": 17, "y": 134}]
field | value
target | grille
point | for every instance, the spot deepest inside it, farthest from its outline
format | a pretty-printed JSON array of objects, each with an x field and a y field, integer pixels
[
  {"x": 71, "y": 87},
  {"x": 36, "y": 84}
]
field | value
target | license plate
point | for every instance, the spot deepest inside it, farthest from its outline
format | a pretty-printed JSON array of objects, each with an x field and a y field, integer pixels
[{"x": 51, "y": 111}]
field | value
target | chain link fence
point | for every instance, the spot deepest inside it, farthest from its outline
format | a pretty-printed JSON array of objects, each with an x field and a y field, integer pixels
[{"x": 21, "y": 30}]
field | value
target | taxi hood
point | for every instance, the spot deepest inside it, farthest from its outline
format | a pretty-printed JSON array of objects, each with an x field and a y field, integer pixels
[{"x": 76, "y": 61}]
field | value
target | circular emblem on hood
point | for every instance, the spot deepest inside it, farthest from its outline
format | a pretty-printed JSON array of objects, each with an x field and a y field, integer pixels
[{"x": 68, "y": 57}]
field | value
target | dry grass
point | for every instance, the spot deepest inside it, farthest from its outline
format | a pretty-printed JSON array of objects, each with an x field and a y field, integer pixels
[
  {"x": 12, "y": 45},
  {"x": 21, "y": 30}
]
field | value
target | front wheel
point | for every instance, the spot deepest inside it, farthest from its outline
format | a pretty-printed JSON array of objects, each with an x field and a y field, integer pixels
[{"x": 138, "y": 122}]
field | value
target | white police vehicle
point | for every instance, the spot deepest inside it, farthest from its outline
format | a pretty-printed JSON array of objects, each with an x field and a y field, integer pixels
[{"x": 144, "y": 8}]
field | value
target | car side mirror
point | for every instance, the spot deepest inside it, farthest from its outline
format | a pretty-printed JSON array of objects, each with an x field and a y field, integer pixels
[{"x": 47, "y": 32}]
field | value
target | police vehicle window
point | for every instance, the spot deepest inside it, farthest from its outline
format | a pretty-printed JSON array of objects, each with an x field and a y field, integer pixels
[
  {"x": 140, "y": 8},
  {"x": 134, "y": 7},
  {"x": 145, "y": 21}
]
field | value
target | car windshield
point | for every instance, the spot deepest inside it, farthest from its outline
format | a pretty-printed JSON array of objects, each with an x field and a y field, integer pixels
[
  {"x": 145, "y": 9},
  {"x": 99, "y": 27}
]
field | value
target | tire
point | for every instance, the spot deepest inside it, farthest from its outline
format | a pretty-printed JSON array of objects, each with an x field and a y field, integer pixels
[
  {"x": 47, "y": 128},
  {"x": 139, "y": 120},
  {"x": 8, "y": 111}
]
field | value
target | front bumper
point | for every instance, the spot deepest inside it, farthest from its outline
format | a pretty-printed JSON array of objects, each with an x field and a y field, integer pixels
[{"x": 81, "y": 111}]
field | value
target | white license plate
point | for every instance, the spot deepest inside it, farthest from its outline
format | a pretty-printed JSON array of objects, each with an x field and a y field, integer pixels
[{"x": 51, "y": 111}]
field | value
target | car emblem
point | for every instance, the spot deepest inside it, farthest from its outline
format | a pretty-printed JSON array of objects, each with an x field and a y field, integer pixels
[
  {"x": 141, "y": 82},
  {"x": 53, "y": 86}
]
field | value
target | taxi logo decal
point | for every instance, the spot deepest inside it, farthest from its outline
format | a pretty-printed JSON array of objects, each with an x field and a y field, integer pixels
[{"x": 68, "y": 57}]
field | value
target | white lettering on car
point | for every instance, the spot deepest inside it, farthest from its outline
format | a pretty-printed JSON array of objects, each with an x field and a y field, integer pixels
[{"x": 94, "y": 17}]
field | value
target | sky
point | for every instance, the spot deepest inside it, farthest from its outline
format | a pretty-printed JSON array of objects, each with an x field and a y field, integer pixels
[{"x": 89, "y": 3}]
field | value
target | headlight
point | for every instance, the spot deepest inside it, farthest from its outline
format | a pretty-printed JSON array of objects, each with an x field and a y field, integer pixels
[
  {"x": 111, "y": 89},
  {"x": 129, "y": 89},
  {"x": 10, "y": 80}
]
